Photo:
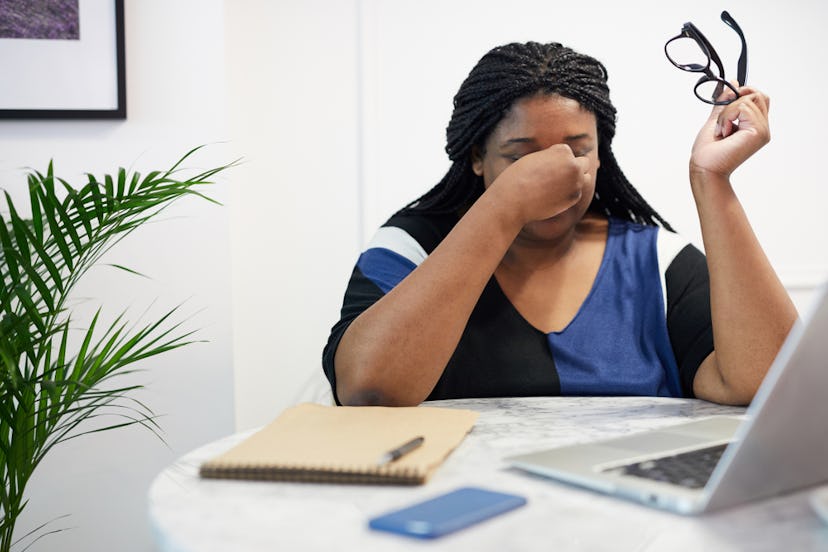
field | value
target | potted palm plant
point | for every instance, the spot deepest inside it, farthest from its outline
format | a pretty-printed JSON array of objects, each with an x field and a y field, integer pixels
[{"x": 55, "y": 384}]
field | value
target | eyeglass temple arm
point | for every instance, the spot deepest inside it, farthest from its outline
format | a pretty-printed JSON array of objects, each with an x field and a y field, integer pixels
[{"x": 741, "y": 72}]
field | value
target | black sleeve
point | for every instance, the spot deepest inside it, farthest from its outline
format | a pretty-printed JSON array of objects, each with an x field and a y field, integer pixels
[
  {"x": 361, "y": 292},
  {"x": 689, "y": 321}
]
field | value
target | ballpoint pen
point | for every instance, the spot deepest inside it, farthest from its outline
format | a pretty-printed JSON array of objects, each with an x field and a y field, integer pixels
[{"x": 400, "y": 451}]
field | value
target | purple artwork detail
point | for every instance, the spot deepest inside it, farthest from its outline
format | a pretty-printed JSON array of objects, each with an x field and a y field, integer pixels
[{"x": 40, "y": 19}]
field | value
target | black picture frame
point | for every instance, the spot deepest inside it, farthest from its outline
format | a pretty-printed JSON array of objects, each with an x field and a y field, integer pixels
[{"x": 115, "y": 107}]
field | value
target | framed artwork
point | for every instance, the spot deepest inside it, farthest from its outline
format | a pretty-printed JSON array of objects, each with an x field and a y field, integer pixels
[{"x": 62, "y": 59}]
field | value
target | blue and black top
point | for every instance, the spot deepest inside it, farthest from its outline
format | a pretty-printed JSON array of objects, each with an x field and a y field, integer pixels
[{"x": 643, "y": 329}]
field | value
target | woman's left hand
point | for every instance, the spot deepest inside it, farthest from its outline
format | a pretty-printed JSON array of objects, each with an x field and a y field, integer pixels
[{"x": 731, "y": 134}]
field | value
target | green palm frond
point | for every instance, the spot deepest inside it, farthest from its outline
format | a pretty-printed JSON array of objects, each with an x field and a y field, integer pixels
[{"x": 47, "y": 393}]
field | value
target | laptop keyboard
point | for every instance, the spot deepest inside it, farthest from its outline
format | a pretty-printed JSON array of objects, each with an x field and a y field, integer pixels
[{"x": 689, "y": 469}]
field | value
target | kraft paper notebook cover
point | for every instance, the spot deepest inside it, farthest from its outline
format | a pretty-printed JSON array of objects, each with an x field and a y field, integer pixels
[{"x": 342, "y": 444}]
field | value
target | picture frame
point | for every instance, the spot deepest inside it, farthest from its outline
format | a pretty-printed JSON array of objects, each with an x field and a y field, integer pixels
[{"x": 81, "y": 74}]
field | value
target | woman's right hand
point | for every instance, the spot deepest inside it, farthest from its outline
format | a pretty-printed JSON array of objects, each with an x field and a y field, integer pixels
[{"x": 544, "y": 183}]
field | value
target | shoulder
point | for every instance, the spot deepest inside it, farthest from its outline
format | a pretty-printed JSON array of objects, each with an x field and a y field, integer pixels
[
  {"x": 424, "y": 232},
  {"x": 677, "y": 255},
  {"x": 683, "y": 268},
  {"x": 671, "y": 249},
  {"x": 680, "y": 264},
  {"x": 643, "y": 241}
]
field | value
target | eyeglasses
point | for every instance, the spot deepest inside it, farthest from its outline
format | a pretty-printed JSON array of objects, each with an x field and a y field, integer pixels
[{"x": 691, "y": 51}]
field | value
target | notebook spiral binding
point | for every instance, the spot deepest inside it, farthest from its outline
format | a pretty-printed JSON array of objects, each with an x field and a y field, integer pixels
[{"x": 378, "y": 475}]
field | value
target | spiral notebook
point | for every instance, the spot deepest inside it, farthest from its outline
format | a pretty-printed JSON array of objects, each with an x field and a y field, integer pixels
[{"x": 344, "y": 444}]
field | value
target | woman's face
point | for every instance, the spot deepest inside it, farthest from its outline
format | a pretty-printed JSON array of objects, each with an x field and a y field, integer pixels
[{"x": 532, "y": 124}]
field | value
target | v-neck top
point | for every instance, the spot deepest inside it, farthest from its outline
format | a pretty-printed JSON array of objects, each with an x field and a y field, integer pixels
[{"x": 643, "y": 328}]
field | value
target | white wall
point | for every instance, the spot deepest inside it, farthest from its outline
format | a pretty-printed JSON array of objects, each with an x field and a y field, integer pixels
[
  {"x": 293, "y": 115},
  {"x": 176, "y": 100}
]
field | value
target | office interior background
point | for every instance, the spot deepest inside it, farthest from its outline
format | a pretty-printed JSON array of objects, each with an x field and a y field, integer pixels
[{"x": 337, "y": 109}]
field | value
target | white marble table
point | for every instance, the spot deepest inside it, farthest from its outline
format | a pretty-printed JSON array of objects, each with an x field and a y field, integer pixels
[{"x": 189, "y": 514}]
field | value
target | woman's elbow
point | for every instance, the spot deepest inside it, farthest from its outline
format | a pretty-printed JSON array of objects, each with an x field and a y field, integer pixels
[
  {"x": 363, "y": 395},
  {"x": 354, "y": 389}
]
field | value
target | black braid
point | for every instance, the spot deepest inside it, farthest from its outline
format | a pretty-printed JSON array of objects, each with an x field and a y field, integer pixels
[{"x": 505, "y": 75}]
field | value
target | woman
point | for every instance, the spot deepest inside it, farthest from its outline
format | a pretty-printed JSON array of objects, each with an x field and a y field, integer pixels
[{"x": 535, "y": 268}]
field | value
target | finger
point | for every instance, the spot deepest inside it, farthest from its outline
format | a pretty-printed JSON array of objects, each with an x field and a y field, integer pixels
[
  {"x": 756, "y": 96},
  {"x": 762, "y": 101},
  {"x": 725, "y": 127},
  {"x": 727, "y": 94},
  {"x": 752, "y": 105},
  {"x": 749, "y": 112},
  {"x": 748, "y": 93},
  {"x": 730, "y": 118},
  {"x": 719, "y": 119},
  {"x": 714, "y": 120}
]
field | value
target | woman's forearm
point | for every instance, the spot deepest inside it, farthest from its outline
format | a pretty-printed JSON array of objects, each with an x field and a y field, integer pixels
[{"x": 752, "y": 312}]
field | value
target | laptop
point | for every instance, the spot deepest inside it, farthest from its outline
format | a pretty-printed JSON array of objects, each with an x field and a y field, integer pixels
[{"x": 780, "y": 446}]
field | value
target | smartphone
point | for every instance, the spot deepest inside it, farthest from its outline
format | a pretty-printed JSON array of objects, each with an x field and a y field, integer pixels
[{"x": 446, "y": 513}]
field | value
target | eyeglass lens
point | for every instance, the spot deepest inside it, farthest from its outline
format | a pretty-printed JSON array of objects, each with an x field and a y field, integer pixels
[
  {"x": 713, "y": 89},
  {"x": 687, "y": 52}
]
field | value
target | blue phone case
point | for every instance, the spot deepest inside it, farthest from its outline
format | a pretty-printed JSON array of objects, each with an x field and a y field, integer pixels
[{"x": 447, "y": 513}]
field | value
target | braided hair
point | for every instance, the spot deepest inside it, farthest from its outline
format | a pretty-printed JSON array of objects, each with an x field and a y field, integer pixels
[{"x": 514, "y": 71}]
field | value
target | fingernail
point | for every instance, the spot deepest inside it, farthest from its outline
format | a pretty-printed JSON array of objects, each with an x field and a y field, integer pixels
[{"x": 718, "y": 131}]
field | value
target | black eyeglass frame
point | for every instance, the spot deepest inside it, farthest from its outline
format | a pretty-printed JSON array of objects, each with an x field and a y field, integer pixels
[{"x": 688, "y": 30}]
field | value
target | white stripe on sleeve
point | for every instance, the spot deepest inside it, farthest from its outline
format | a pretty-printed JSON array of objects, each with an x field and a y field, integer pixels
[{"x": 399, "y": 241}]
